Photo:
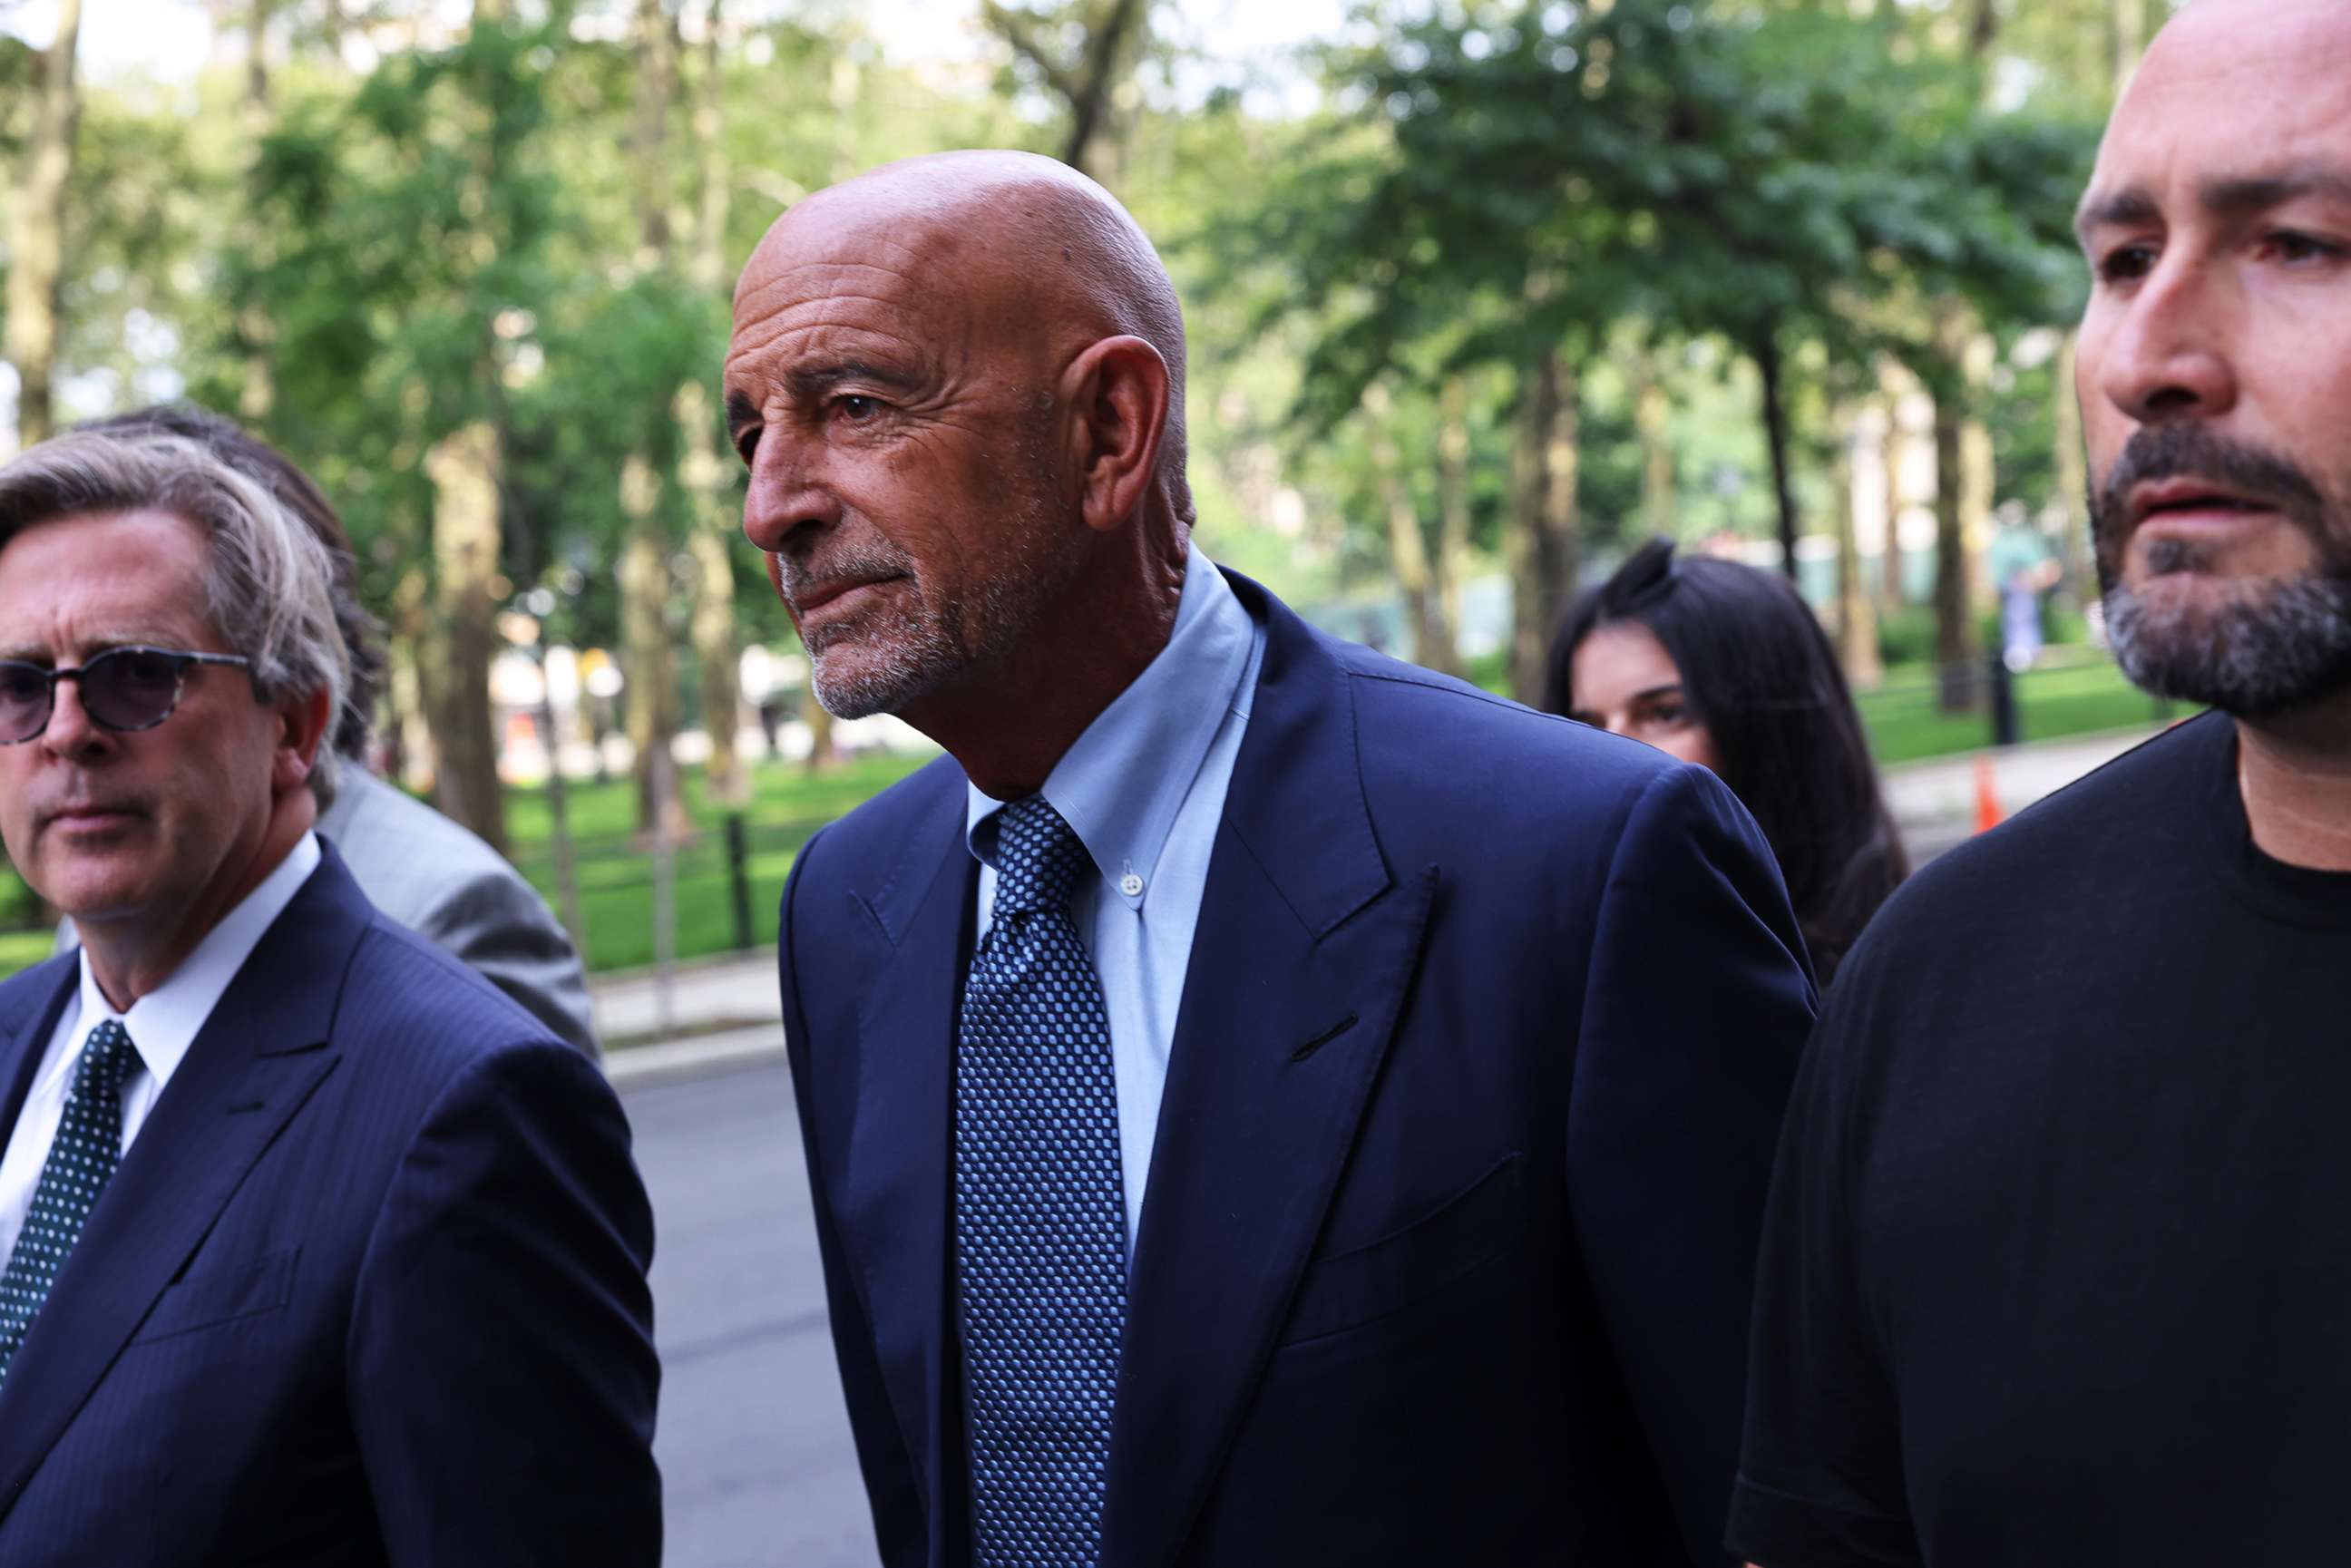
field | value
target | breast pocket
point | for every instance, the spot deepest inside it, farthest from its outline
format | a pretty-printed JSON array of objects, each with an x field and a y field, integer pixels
[
  {"x": 1347, "y": 1290},
  {"x": 222, "y": 1293}
]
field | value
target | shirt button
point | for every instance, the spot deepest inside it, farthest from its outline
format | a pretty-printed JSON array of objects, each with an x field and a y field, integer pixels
[{"x": 1131, "y": 885}]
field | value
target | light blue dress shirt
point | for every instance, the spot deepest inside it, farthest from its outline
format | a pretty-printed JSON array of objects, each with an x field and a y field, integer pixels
[{"x": 1144, "y": 790}]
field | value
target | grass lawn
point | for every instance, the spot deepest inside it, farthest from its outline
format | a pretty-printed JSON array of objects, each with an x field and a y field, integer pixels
[
  {"x": 615, "y": 873},
  {"x": 2077, "y": 692}
]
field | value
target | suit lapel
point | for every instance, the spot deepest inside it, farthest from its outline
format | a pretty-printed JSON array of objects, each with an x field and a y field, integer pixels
[
  {"x": 1305, "y": 949},
  {"x": 250, "y": 1068},
  {"x": 895, "y": 1198}
]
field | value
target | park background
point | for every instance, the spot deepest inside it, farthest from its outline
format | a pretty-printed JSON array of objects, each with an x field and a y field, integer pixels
[{"x": 1478, "y": 296}]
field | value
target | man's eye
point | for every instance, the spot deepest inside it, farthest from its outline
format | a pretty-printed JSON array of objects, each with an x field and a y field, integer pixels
[
  {"x": 2289, "y": 247},
  {"x": 746, "y": 442},
  {"x": 856, "y": 407},
  {"x": 2130, "y": 262}
]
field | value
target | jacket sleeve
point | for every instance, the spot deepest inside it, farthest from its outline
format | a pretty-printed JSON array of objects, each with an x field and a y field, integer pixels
[
  {"x": 1695, "y": 1015},
  {"x": 502, "y": 1372},
  {"x": 497, "y": 925},
  {"x": 889, "y": 1484}
]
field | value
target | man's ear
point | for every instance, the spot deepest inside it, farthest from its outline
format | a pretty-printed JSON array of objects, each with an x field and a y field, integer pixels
[
  {"x": 1119, "y": 389},
  {"x": 303, "y": 722}
]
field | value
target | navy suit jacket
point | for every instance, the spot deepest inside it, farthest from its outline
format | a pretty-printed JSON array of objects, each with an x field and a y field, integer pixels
[
  {"x": 369, "y": 1288},
  {"x": 1448, "y": 1235}
]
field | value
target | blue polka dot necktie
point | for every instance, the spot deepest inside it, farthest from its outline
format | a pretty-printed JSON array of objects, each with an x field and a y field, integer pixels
[
  {"x": 1041, "y": 1211},
  {"x": 87, "y": 1145}
]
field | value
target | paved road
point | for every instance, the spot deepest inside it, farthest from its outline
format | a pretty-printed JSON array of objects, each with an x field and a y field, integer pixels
[{"x": 754, "y": 1445}]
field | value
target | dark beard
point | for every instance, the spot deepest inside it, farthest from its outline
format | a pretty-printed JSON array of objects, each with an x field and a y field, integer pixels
[{"x": 2270, "y": 647}]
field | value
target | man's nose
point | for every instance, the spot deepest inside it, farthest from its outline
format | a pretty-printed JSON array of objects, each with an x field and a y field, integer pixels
[
  {"x": 2170, "y": 358},
  {"x": 71, "y": 732},
  {"x": 787, "y": 495}
]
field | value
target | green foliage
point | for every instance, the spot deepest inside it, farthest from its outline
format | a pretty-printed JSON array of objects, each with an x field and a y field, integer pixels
[
  {"x": 1795, "y": 183},
  {"x": 1661, "y": 190}
]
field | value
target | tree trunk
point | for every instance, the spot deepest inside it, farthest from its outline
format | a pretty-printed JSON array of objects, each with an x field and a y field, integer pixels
[
  {"x": 702, "y": 467},
  {"x": 1089, "y": 146},
  {"x": 1894, "y": 384},
  {"x": 2078, "y": 548},
  {"x": 1091, "y": 84},
  {"x": 1652, "y": 416},
  {"x": 1984, "y": 28},
  {"x": 1407, "y": 545},
  {"x": 1562, "y": 523},
  {"x": 708, "y": 268},
  {"x": 1955, "y": 628},
  {"x": 1978, "y": 476},
  {"x": 36, "y": 240},
  {"x": 724, "y": 781},
  {"x": 1543, "y": 544},
  {"x": 643, "y": 576},
  {"x": 657, "y": 93},
  {"x": 823, "y": 752},
  {"x": 1766, "y": 349},
  {"x": 464, "y": 468},
  {"x": 650, "y": 668},
  {"x": 1452, "y": 560},
  {"x": 255, "y": 327},
  {"x": 1856, "y": 617},
  {"x": 1453, "y": 509},
  {"x": 846, "y": 87},
  {"x": 2129, "y": 38},
  {"x": 1892, "y": 592}
]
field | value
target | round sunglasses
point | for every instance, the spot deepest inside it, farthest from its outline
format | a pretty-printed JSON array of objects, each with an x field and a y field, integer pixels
[{"x": 121, "y": 689}]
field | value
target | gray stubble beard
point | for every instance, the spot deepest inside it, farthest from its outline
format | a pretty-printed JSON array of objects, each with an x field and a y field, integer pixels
[
  {"x": 916, "y": 656},
  {"x": 2269, "y": 650},
  {"x": 2269, "y": 647}
]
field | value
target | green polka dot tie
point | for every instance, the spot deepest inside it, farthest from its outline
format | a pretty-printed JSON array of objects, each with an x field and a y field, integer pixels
[
  {"x": 87, "y": 1145},
  {"x": 1041, "y": 1211}
]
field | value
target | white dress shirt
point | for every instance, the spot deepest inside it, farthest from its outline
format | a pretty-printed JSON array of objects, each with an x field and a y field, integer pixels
[
  {"x": 1144, "y": 788},
  {"x": 162, "y": 1024}
]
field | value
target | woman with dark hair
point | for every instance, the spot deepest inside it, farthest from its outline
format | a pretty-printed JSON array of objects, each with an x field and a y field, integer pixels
[{"x": 1726, "y": 666}]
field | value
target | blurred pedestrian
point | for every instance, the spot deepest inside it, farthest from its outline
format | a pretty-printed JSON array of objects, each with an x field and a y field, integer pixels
[
  {"x": 2024, "y": 570},
  {"x": 1726, "y": 666},
  {"x": 433, "y": 875},
  {"x": 2057, "y": 1263},
  {"x": 1256, "y": 1112}
]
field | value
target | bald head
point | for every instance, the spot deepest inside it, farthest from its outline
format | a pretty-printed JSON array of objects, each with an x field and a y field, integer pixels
[
  {"x": 1010, "y": 242},
  {"x": 957, "y": 382},
  {"x": 2210, "y": 35}
]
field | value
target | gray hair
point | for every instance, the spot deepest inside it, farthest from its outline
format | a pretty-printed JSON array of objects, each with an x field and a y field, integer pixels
[{"x": 268, "y": 583}]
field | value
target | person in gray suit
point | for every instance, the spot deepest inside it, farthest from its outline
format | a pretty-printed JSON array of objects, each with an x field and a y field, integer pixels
[{"x": 414, "y": 864}]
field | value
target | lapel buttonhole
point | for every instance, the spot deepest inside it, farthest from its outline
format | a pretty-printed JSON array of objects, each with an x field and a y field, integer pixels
[{"x": 1325, "y": 1038}]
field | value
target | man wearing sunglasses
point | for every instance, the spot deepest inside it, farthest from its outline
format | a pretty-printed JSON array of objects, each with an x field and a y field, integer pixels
[
  {"x": 318, "y": 1249},
  {"x": 416, "y": 865}
]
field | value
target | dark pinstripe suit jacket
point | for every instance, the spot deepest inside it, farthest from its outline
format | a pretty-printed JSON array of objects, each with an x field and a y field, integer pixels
[{"x": 368, "y": 1289}]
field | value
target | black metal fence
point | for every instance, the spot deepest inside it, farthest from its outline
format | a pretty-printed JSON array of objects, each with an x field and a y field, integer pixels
[{"x": 1955, "y": 709}]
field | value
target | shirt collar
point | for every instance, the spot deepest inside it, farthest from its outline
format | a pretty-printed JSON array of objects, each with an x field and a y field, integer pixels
[
  {"x": 1121, "y": 784},
  {"x": 165, "y": 1022}
]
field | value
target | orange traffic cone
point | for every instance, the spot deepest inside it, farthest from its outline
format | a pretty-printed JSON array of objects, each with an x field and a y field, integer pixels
[{"x": 1987, "y": 811}]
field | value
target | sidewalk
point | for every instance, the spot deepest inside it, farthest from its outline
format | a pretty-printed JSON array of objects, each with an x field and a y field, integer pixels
[
  {"x": 722, "y": 1011},
  {"x": 726, "y": 1011},
  {"x": 1934, "y": 802}
]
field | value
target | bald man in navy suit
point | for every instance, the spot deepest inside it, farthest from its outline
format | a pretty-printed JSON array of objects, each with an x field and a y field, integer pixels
[{"x": 1265, "y": 1104}]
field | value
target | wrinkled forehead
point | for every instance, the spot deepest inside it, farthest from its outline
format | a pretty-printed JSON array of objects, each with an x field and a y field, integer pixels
[
  {"x": 839, "y": 280},
  {"x": 2233, "y": 92}
]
